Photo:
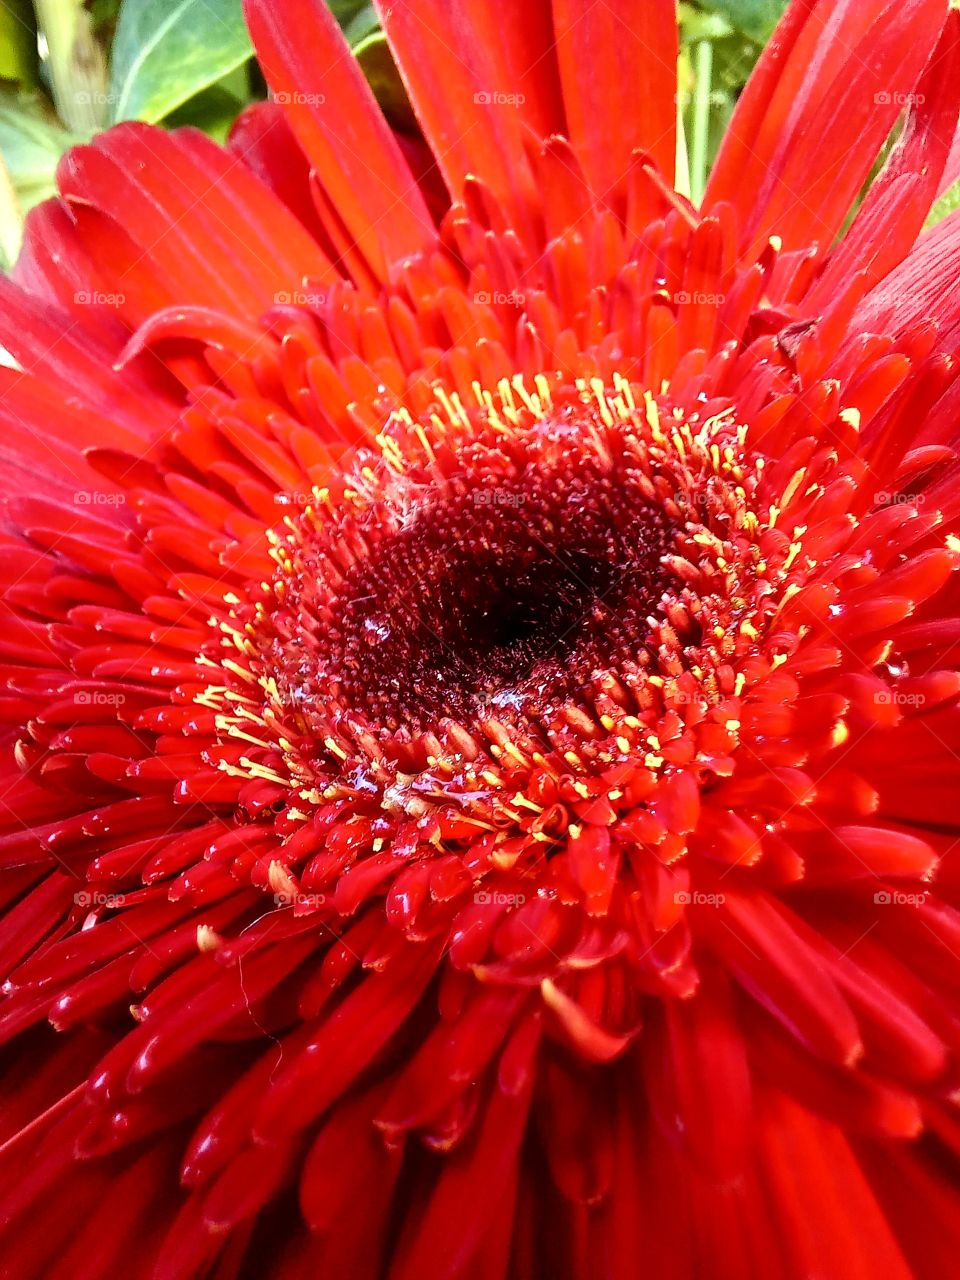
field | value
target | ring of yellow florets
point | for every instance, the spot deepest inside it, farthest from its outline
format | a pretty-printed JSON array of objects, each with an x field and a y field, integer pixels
[{"x": 511, "y": 780}]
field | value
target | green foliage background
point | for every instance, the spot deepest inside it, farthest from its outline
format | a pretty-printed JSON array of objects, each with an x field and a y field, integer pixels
[{"x": 69, "y": 68}]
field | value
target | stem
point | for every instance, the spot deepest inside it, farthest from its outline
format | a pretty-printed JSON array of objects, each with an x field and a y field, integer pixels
[
  {"x": 682, "y": 180},
  {"x": 11, "y": 219},
  {"x": 77, "y": 66},
  {"x": 700, "y": 140}
]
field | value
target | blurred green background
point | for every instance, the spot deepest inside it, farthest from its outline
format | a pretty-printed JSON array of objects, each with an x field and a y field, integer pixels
[{"x": 69, "y": 68}]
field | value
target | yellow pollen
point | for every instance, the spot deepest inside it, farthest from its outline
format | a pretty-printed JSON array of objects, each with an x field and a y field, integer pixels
[
  {"x": 839, "y": 735},
  {"x": 851, "y": 417},
  {"x": 207, "y": 938}
]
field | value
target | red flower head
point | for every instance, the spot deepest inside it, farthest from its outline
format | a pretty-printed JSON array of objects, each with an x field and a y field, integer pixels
[{"x": 482, "y": 669}]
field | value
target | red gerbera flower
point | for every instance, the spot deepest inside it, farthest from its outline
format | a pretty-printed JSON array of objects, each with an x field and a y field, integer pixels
[{"x": 482, "y": 669}]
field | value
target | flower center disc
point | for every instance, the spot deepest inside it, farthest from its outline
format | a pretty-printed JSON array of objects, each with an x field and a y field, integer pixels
[
  {"x": 502, "y": 579},
  {"x": 503, "y": 591},
  {"x": 573, "y": 559}
]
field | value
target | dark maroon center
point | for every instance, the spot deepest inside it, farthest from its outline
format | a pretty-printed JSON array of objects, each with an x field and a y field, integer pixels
[{"x": 492, "y": 597}]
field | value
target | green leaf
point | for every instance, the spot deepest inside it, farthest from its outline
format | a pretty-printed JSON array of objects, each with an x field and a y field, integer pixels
[
  {"x": 948, "y": 203},
  {"x": 75, "y": 65},
  {"x": 103, "y": 14},
  {"x": 213, "y": 110},
  {"x": 756, "y": 18},
  {"x": 358, "y": 19},
  {"x": 361, "y": 25},
  {"x": 345, "y": 11},
  {"x": 697, "y": 25},
  {"x": 167, "y": 51},
  {"x": 18, "y": 41},
  {"x": 734, "y": 60},
  {"x": 31, "y": 143},
  {"x": 380, "y": 70}
]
